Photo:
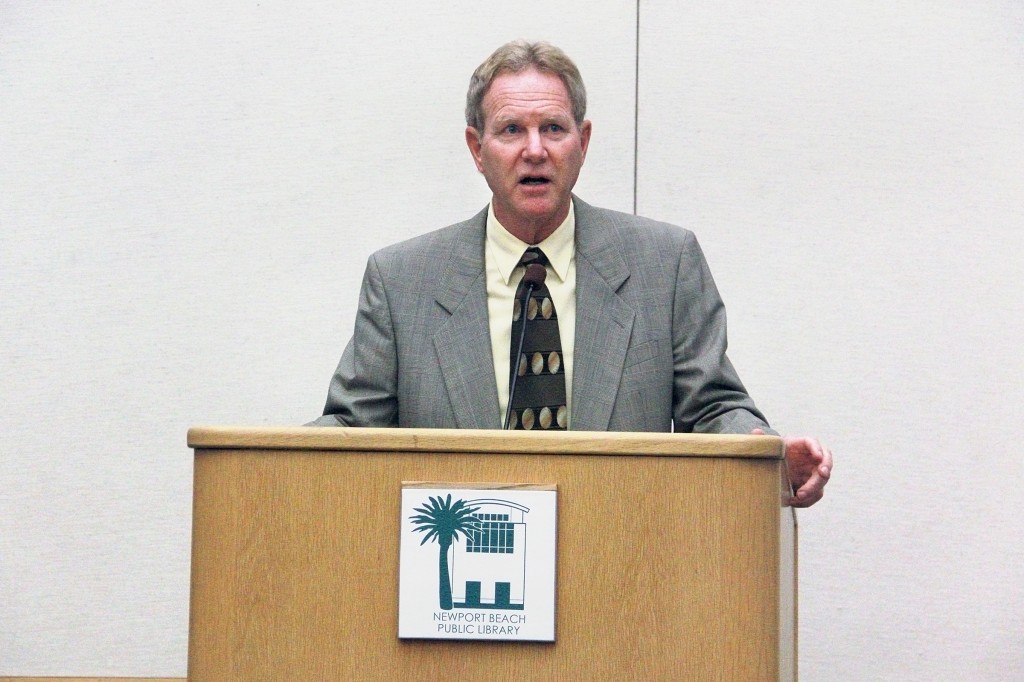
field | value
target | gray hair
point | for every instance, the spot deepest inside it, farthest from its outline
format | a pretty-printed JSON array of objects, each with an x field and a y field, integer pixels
[{"x": 517, "y": 56}]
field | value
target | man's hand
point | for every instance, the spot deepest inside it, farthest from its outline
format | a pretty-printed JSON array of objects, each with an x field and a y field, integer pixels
[{"x": 810, "y": 465}]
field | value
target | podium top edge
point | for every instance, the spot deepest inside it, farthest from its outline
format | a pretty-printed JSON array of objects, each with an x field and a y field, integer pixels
[{"x": 483, "y": 441}]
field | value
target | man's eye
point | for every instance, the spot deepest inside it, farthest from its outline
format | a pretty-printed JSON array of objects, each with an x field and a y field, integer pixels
[{"x": 511, "y": 129}]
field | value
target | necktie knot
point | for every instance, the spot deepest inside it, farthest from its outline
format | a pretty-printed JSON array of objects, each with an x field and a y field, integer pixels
[{"x": 533, "y": 255}]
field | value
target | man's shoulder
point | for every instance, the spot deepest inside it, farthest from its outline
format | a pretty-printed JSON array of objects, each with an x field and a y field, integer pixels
[{"x": 631, "y": 230}]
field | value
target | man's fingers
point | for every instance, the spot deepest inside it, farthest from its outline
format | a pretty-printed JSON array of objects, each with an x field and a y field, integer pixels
[
  {"x": 810, "y": 467},
  {"x": 797, "y": 501},
  {"x": 825, "y": 469}
]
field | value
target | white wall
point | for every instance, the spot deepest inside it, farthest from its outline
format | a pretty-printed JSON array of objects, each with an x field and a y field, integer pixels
[{"x": 188, "y": 196}]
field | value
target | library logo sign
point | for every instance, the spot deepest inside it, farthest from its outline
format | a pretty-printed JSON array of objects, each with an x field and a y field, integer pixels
[{"x": 477, "y": 561}]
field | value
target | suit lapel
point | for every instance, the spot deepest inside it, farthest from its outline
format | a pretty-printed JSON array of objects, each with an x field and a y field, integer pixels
[
  {"x": 604, "y": 322},
  {"x": 463, "y": 343}
]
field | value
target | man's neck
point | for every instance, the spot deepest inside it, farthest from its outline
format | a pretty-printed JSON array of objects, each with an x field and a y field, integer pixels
[{"x": 532, "y": 232}]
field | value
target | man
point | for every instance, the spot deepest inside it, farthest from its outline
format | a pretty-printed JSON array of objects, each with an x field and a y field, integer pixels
[{"x": 636, "y": 337}]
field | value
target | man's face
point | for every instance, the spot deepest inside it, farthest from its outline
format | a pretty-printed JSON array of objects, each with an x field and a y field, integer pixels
[{"x": 530, "y": 151}]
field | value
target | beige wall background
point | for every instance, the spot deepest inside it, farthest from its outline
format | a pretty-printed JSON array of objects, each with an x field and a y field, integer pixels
[{"x": 188, "y": 195}]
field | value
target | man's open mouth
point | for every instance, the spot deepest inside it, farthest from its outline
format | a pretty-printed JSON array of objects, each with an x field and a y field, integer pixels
[{"x": 533, "y": 180}]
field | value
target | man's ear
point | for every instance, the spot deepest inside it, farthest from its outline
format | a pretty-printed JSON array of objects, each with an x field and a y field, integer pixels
[
  {"x": 474, "y": 143},
  {"x": 585, "y": 130}
]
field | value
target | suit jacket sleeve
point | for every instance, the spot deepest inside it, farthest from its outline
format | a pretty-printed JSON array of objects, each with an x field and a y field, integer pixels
[
  {"x": 708, "y": 396},
  {"x": 363, "y": 390}
]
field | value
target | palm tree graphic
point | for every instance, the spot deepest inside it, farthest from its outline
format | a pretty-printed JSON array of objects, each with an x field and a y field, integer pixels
[{"x": 443, "y": 521}]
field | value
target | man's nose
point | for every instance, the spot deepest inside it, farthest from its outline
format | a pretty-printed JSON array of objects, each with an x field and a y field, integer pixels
[{"x": 534, "y": 150}]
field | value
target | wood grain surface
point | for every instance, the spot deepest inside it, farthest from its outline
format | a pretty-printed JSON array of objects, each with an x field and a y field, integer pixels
[{"x": 462, "y": 440}]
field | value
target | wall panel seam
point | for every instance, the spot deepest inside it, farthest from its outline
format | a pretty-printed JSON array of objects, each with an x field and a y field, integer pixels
[{"x": 636, "y": 109}]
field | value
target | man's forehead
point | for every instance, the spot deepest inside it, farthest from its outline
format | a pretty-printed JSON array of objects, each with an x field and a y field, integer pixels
[
  {"x": 514, "y": 94},
  {"x": 512, "y": 108}
]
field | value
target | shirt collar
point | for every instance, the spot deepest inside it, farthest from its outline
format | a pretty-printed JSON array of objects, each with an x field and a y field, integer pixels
[{"x": 507, "y": 249}]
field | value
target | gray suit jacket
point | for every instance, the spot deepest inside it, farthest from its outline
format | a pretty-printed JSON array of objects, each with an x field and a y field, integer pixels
[{"x": 650, "y": 335}]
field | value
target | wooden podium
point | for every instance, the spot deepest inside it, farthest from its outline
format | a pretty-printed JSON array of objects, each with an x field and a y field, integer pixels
[{"x": 676, "y": 559}]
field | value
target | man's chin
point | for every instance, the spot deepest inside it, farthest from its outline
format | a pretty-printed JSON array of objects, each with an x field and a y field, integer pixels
[{"x": 540, "y": 207}]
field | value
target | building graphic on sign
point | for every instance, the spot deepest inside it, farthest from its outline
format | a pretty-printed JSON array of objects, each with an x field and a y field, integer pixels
[{"x": 489, "y": 569}]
